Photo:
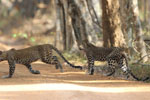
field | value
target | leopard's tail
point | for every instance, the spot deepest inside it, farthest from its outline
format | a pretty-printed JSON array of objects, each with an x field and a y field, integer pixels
[
  {"x": 138, "y": 79},
  {"x": 129, "y": 71},
  {"x": 66, "y": 59}
]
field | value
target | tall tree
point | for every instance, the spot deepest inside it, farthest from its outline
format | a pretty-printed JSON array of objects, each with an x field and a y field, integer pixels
[
  {"x": 60, "y": 26},
  {"x": 138, "y": 30},
  {"x": 80, "y": 15},
  {"x": 74, "y": 21},
  {"x": 78, "y": 22},
  {"x": 111, "y": 24},
  {"x": 131, "y": 23}
]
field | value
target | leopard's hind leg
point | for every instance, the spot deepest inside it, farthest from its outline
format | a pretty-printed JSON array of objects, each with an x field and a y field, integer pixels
[
  {"x": 53, "y": 60},
  {"x": 31, "y": 70},
  {"x": 111, "y": 66},
  {"x": 56, "y": 62},
  {"x": 109, "y": 71}
]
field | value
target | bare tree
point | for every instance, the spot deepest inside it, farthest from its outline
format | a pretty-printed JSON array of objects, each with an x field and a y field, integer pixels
[
  {"x": 138, "y": 31},
  {"x": 111, "y": 24},
  {"x": 59, "y": 25},
  {"x": 131, "y": 23},
  {"x": 85, "y": 8},
  {"x": 78, "y": 22},
  {"x": 74, "y": 22}
]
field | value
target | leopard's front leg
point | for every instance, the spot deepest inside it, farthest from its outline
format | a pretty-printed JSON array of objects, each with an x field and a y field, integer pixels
[
  {"x": 90, "y": 65},
  {"x": 11, "y": 69}
]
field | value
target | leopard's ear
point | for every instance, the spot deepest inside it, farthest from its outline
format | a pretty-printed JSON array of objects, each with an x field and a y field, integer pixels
[{"x": 1, "y": 52}]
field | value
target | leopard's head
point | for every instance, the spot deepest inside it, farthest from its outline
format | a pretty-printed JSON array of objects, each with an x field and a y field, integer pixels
[{"x": 3, "y": 55}]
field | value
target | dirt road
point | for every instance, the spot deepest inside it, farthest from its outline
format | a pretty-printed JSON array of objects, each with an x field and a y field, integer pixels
[{"x": 73, "y": 84}]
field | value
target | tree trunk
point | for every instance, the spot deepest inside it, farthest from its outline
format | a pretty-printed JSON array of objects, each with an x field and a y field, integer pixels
[
  {"x": 89, "y": 23},
  {"x": 92, "y": 12},
  {"x": 111, "y": 24},
  {"x": 131, "y": 23},
  {"x": 82, "y": 21},
  {"x": 138, "y": 31},
  {"x": 148, "y": 16},
  {"x": 78, "y": 14},
  {"x": 59, "y": 30},
  {"x": 74, "y": 14},
  {"x": 78, "y": 22},
  {"x": 68, "y": 28},
  {"x": 126, "y": 24}
]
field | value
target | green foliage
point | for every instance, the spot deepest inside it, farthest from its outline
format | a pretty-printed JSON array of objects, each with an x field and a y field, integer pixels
[
  {"x": 20, "y": 35},
  {"x": 75, "y": 58},
  {"x": 14, "y": 35},
  {"x": 52, "y": 33},
  {"x": 32, "y": 39},
  {"x": 100, "y": 35},
  {"x": 24, "y": 36}
]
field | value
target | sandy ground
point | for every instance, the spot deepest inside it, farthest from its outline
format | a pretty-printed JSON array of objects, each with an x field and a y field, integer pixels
[{"x": 72, "y": 84}]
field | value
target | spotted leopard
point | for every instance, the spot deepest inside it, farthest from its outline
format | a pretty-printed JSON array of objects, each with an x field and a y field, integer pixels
[
  {"x": 115, "y": 57},
  {"x": 31, "y": 54}
]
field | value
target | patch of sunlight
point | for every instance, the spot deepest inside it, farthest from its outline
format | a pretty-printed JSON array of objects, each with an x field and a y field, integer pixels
[
  {"x": 72, "y": 87},
  {"x": 99, "y": 63},
  {"x": 65, "y": 73},
  {"x": 100, "y": 81},
  {"x": 4, "y": 62},
  {"x": 38, "y": 62}
]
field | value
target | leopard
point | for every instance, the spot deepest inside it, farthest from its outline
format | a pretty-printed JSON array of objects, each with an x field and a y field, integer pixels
[
  {"x": 115, "y": 57},
  {"x": 31, "y": 54}
]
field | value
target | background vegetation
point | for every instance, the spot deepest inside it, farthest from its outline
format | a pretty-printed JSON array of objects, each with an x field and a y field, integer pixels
[{"x": 66, "y": 23}]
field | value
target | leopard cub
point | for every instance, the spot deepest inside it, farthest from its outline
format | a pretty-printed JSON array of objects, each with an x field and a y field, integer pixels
[
  {"x": 114, "y": 56},
  {"x": 31, "y": 54}
]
